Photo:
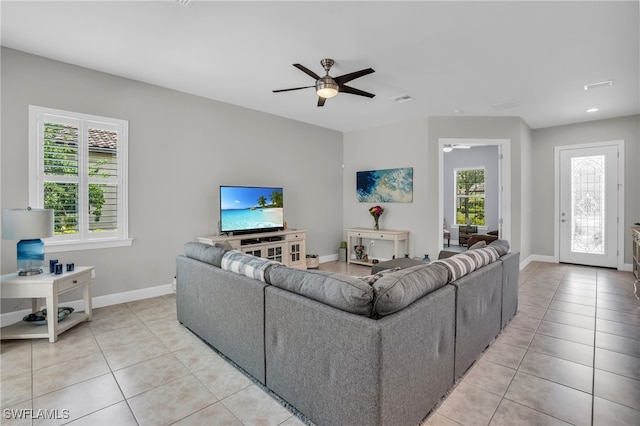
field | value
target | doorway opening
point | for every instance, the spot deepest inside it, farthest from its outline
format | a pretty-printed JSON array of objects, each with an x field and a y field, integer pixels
[{"x": 500, "y": 188}]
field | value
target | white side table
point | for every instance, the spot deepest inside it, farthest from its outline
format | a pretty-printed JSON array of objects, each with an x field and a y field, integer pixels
[{"x": 47, "y": 286}]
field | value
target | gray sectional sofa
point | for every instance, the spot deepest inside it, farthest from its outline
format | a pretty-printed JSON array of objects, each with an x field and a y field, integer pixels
[{"x": 376, "y": 350}]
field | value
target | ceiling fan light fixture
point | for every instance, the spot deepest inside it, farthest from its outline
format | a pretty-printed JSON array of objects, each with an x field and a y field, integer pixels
[{"x": 326, "y": 87}]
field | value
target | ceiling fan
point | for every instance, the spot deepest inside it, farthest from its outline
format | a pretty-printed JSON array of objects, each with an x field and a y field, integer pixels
[{"x": 327, "y": 86}]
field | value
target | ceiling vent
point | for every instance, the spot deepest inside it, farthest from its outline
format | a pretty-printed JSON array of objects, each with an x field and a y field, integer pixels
[
  {"x": 605, "y": 83},
  {"x": 403, "y": 99}
]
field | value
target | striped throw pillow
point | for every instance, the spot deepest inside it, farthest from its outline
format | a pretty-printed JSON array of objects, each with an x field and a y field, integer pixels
[
  {"x": 458, "y": 265},
  {"x": 483, "y": 256},
  {"x": 247, "y": 265}
]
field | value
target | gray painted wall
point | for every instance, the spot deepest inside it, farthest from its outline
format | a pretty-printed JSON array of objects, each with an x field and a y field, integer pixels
[
  {"x": 542, "y": 161},
  {"x": 181, "y": 148},
  {"x": 476, "y": 157}
]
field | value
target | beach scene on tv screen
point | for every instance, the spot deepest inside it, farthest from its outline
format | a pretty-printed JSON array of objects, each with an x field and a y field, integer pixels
[{"x": 250, "y": 208}]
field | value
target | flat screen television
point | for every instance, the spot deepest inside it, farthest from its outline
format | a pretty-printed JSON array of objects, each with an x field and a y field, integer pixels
[{"x": 251, "y": 209}]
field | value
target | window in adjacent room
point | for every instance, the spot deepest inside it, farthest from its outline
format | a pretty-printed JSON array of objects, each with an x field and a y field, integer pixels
[
  {"x": 470, "y": 193},
  {"x": 78, "y": 168}
]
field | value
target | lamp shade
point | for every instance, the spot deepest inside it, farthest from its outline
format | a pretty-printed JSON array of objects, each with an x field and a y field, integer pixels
[{"x": 27, "y": 224}]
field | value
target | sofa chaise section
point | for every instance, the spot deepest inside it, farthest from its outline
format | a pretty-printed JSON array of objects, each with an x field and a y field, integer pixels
[{"x": 224, "y": 309}]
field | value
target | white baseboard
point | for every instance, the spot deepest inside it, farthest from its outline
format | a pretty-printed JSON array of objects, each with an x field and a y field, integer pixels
[
  {"x": 328, "y": 258},
  {"x": 97, "y": 302}
]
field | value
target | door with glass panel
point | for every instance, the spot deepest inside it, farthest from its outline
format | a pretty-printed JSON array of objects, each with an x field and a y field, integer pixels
[{"x": 589, "y": 206}]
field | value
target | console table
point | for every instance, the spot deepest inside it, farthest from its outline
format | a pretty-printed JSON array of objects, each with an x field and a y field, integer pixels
[
  {"x": 288, "y": 247},
  {"x": 382, "y": 234},
  {"x": 48, "y": 286}
]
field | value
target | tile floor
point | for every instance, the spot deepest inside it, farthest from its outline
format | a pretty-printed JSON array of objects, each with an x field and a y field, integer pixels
[{"x": 570, "y": 356}]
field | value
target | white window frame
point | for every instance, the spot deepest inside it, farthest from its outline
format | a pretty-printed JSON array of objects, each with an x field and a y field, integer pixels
[
  {"x": 455, "y": 195},
  {"x": 83, "y": 240}
]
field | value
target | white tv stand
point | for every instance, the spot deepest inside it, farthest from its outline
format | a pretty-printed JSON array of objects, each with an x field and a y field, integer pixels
[{"x": 288, "y": 247}]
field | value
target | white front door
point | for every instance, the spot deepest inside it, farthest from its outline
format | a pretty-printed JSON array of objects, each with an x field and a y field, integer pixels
[{"x": 589, "y": 205}]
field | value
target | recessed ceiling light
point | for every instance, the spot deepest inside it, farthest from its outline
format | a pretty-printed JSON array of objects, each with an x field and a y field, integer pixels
[
  {"x": 593, "y": 110},
  {"x": 598, "y": 84},
  {"x": 457, "y": 111}
]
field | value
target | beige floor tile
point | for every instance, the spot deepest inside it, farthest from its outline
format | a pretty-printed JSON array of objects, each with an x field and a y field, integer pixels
[
  {"x": 153, "y": 309},
  {"x": 15, "y": 358},
  {"x": 561, "y": 402},
  {"x": 620, "y": 389},
  {"x": 171, "y": 402},
  {"x": 198, "y": 357},
  {"x": 15, "y": 389},
  {"x": 79, "y": 338},
  {"x": 608, "y": 413},
  {"x": 111, "y": 311},
  {"x": 222, "y": 380},
  {"x": 503, "y": 354},
  {"x": 80, "y": 399},
  {"x": 510, "y": 414},
  {"x": 149, "y": 374},
  {"x": 558, "y": 370},
  {"x": 117, "y": 414},
  {"x": 54, "y": 377},
  {"x": 214, "y": 414},
  {"x": 171, "y": 333},
  {"x": 470, "y": 405},
  {"x": 134, "y": 353},
  {"x": 252, "y": 406},
  {"x": 439, "y": 420},
  {"x": 115, "y": 322},
  {"x": 16, "y": 415},
  {"x": 490, "y": 376},
  {"x": 515, "y": 336}
]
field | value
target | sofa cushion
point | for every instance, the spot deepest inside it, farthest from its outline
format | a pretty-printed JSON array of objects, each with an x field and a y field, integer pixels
[
  {"x": 483, "y": 256},
  {"x": 247, "y": 265},
  {"x": 479, "y": 244},
  {"x": 458, "y": 265},
  {"x": 340, "y": 291},
  {"x": 204, "y": 253},
  {"x": 371, "y": 279},
  {"x": 397, "y": 290},
  {"x": 501, "y": 246}
]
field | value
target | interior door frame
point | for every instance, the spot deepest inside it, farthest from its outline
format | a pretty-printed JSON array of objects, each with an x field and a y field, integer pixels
[
  {"x": 504, "y": 180},
  {"x": 620, "y": 214}
]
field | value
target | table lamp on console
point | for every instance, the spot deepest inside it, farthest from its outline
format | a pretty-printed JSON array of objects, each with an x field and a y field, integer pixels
[{"x": 29, "y": 226}]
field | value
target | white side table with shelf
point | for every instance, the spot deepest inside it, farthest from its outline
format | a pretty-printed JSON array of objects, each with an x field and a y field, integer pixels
[
  {"x": 378, "y": 234},
  {"x": 47, "y": 286}
]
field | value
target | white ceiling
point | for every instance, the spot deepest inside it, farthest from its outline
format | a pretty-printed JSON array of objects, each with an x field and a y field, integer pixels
[{"x": 503, "y": 58}]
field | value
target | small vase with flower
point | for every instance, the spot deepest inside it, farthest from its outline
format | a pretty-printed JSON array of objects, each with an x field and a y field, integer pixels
[{"x": 376, "y": 212}]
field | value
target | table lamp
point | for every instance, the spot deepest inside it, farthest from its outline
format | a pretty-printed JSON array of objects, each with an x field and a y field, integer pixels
[{"x": 28, "y": 225}]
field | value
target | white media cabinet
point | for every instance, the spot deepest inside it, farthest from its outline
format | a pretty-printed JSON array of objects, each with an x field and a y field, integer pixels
[{"x": 288, "y": 247}]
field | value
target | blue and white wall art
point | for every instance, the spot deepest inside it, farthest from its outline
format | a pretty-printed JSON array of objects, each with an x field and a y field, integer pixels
[{"x": 385, "y": 186}]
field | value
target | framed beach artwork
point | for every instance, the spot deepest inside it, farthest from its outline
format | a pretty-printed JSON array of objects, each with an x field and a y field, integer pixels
[{"x": 385, "y": 186}]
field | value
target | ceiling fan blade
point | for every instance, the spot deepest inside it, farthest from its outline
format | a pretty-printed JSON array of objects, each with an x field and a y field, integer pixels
[
  {"x": 321, "y": 101},
  {"x": 354, "y": 91},
  {"x": 307, "y": 71},
  {"x": 352, "y": 76},
  {"x": 293, "y": 88}
]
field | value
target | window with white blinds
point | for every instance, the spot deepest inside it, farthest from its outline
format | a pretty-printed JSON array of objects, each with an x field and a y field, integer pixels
[{"x": 78, "y": 169}]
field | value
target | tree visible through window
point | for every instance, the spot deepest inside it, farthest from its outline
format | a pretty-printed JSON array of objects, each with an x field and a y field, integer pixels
[
  {"x": 79, "y": 173},
  {"x": 470, "y": 193}
]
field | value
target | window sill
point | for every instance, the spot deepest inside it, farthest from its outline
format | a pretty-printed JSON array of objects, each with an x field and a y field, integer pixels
[{"x": 62, "y": 246}]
